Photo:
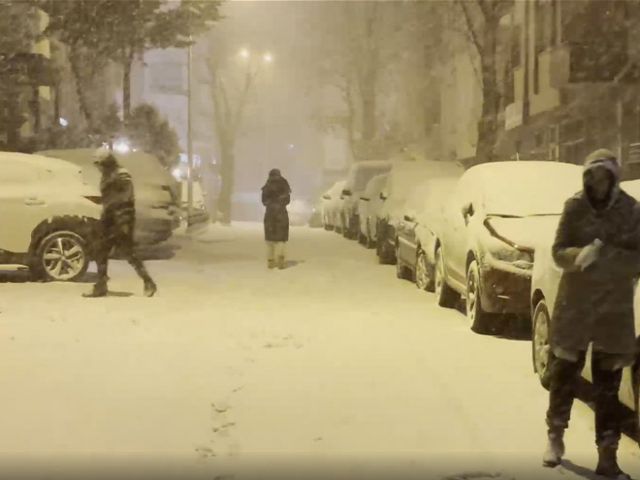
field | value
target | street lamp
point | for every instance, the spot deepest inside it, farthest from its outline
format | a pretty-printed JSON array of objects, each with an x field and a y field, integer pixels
[
  {"x": 267, "y": 57},
  {"x": 245, "y": 53}
]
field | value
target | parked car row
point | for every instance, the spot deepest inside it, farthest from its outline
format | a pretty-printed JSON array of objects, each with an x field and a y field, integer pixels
[
  {"x": 50, "y": 204},
  {"x": 482, "y": 236}
]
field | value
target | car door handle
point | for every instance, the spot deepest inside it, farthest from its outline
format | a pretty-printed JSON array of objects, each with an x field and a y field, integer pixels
[{"x": 33, "y": 201}]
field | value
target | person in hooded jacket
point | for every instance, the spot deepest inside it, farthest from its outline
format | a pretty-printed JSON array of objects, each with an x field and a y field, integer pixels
[
  {"x": 597, "y": 246},
  {"x": 117, "y": 224},
  {"x": 276, "y": 195}
]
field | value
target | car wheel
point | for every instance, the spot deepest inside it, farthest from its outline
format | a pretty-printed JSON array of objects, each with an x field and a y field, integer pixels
[
  {"x": 445, "y": 295},
  {"x": 481, "y": 322},
  {"x": 61, "y": 256},
  {"x": 402, "y": 272},
  {"x": 540, "y": 346},
  {"x": 424, "y": 273}
]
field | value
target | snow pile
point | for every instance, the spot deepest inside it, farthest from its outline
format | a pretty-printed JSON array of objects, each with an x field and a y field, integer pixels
[{"x": 208, "y": 233}]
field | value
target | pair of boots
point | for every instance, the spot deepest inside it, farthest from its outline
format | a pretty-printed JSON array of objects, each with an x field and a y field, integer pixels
[
  {"x": 100, "y": 289},
  {"x": 280, "y": 263},
  {"x": 607, "y": 455}
]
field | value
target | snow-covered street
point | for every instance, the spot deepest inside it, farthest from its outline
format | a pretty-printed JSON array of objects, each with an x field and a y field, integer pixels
[{"x": 330, "y": 364}]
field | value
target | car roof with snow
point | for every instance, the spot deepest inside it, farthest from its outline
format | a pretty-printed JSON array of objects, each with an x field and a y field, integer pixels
[
  {"x": 632, "y": 187},
  {"x": 361, "y": 172},
  {"x": 522, "y": 188},
  {"x": 376, "y": 184},
  {"x": 143, "y": 167}
]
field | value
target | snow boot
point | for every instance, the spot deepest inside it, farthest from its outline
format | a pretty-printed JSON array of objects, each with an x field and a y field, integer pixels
[
  {"x": 271, "y": 264},
  {"x": 281, "y": 263},
  {"x": 99, "y": 290},
  {"x": 555, "y": 449},
  {"x": 150, "y": 288},
  {"x": 608, "y": 461}
]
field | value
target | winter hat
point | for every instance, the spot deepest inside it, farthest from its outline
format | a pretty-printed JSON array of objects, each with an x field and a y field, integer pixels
[
  {"x": 108, "y": 161},
  {"x": 275, "y": 173},
  {"x": 603, "y": 158}
]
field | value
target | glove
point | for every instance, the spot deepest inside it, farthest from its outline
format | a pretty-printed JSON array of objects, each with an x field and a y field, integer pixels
[{"x": 589, "y": 254}]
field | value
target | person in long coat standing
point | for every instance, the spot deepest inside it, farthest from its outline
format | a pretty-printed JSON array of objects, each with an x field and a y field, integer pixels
[
  {"x": 276, "y": 195},
  {"x": 597, "y": 246}
]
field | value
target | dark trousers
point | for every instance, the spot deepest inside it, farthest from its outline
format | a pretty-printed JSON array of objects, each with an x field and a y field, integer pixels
[
  {"x": 120, "y": 239},
  {"x": 565, "y": 376}
]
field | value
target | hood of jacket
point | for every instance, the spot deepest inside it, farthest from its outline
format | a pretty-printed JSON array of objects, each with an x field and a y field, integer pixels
[{"x": 606, "y": 159}]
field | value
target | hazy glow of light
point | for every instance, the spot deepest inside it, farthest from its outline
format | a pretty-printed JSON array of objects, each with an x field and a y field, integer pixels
[
  {"x": 245, "y": 53},
  {"x": 177, "y": 173},
  {"x": 122, "y": 146},
  {"x": 267, "y": 57},
  {"x": 63, "y": 122}
]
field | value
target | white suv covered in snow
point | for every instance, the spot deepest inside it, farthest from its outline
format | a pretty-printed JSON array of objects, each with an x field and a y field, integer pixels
[{"x": 48, "y": 216}]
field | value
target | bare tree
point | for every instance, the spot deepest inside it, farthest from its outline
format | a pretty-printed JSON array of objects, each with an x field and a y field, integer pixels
[
  {"x": 230, "y": 101},
  {"x": 482, "y": 19}
]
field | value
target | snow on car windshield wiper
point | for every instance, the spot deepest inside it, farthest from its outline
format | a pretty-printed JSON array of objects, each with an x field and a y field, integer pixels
[{"x": 503, "y": 215}]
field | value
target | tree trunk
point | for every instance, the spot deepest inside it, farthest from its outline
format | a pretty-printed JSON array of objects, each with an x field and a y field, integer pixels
[
  {"x": 488, "y": 124},
  {"x": 126, "y": 87},
  {"x": 83, "y": 100},
  {"x": 227, "y": 170}
]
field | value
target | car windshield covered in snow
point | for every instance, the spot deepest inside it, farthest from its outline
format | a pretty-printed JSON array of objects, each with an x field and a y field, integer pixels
[{"x": 523, "y": 189}]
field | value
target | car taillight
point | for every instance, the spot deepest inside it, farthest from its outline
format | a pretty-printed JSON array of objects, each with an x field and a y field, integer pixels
[{"x": 94, "y": 199}]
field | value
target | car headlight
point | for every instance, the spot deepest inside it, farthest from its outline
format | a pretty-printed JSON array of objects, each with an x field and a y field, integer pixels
[{"x": 505, "y": 250}]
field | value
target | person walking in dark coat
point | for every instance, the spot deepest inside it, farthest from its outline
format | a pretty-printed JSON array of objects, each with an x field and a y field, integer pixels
[
  {"x": 276, "y": 195},
  {"x": 117, "y": 225},
  {"x": 597, "y": 246}
]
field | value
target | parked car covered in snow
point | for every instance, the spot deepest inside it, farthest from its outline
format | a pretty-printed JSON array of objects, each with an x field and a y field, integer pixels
[
  {"x": 331, "y": 201},
  {"x": 157, "y": 192},
  {"x": 544, "y": 289},
  {"x": 492, "y": 221},
  {"x": 419, "y": 230},
  {"x": 359, "y": 175},
  {"x": 368, "y": 207},
  {"x": 48, "y": 213},
  {"x": 405, "y": 175}
]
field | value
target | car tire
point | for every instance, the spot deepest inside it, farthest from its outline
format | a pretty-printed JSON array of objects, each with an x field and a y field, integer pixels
[
  {"x": 60, "y": 250},
  {"x": 445, "y": 295},
  {"x": 424, "y": 273},
  {"x": 482, "y": 322},
  {"x": 402, "y": 271},
  {"x": 540, "y": 346}
]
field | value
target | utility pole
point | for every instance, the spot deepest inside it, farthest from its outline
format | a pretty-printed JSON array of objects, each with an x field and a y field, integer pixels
[{"x": 189, "y": 132}]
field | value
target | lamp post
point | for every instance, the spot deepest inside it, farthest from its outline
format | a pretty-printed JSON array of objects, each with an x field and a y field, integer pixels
[{"x": 189, "y": 133}]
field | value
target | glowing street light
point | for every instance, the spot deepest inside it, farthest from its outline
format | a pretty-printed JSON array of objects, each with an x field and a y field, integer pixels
[
  {"x": 245, "y": 53},
  {"x": 267, "y": 57}
]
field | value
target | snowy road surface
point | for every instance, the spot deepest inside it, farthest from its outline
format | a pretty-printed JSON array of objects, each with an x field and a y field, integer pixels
[{"x": 330, "y": 364}]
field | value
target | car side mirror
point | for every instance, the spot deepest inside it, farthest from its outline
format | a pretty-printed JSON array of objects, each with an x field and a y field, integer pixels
[
  {"x": 327, "y": 197},
  {"x": 467, "y": 211},
  {"x": 410, "y": 218},
  {"x": 346, "y": 192}
]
